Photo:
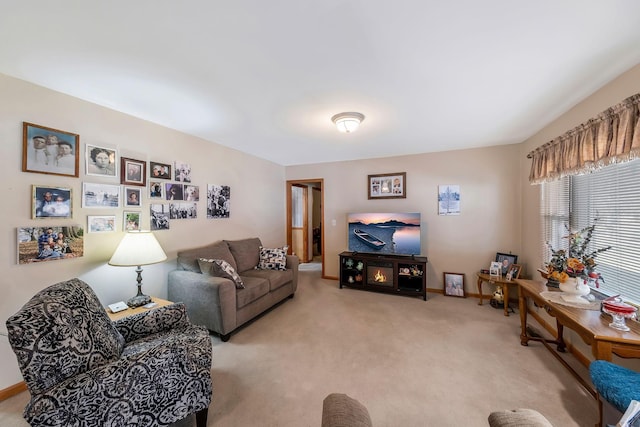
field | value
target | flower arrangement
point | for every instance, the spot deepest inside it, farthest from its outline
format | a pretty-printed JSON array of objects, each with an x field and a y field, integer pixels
[{"x": 578, "y": 261}]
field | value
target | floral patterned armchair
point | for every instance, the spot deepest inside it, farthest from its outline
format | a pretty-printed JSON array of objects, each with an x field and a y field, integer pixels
[{"x": 150, "y": 369}]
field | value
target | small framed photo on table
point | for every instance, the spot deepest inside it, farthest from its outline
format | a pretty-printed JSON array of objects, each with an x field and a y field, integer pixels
[{"x": 506, "y": 260}]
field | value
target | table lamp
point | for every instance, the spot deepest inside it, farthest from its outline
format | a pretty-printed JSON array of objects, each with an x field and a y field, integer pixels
[{"x": 138, "y": 248}]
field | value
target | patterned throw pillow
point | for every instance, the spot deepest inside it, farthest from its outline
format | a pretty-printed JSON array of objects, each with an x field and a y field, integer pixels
[
  {"x": 273, "y": 259},
  {"x": 220, "y": 268}
]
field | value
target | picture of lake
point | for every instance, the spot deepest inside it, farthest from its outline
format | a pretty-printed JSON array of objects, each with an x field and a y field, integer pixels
[{"x": 400, "y": 233}]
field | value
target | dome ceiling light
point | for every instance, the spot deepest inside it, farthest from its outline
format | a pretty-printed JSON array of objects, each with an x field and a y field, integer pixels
[{"x": 347, "y": 122}]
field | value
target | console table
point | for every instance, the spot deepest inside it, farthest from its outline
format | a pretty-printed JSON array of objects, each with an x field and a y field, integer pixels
[
  {"x": 498, "y": 281},
  {"x": 592, "y": 326}
]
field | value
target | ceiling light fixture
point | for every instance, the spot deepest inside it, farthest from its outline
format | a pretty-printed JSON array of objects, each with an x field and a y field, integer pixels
[{"x": 347, "y": 122}]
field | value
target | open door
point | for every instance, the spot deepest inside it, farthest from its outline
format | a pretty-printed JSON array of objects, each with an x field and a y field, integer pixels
[{"x": 305, "y": 218}]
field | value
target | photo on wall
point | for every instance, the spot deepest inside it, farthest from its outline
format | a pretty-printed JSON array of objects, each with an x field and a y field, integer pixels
[
  {"x": 48, "y": 202},
  {"x": 131, "y": 221},
  {"x": 183, "y": 210},
  {"x": 100, "y": 161},
  {"x": 38, "y": 244},
  {"x": 50, "y": 151},
  {"x": 218, "y": 201},
  {"x": 159, "y": 216}
]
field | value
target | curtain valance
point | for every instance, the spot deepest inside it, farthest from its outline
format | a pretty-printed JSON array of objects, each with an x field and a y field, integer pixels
[{"x": 613, "y": 136}]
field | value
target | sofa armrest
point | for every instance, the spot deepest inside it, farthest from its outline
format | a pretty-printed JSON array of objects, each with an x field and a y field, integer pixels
[
  {"x": 293, "y": 263},
  {"x": 210, "y": 300},
  {"x": 162, "y": 319}
]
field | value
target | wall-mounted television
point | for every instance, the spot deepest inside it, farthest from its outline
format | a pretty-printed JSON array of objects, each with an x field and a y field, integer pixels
[{"x": 384, "y": 233}]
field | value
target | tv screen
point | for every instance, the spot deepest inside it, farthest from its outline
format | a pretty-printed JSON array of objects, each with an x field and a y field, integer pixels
[{"x": 384, "y": 233}]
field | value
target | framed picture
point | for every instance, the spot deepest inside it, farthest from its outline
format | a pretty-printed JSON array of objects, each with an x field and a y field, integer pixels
[
  {"x": 448, "y": 200},
  {"x": 131, "y": 221},
  {"x": 155, "y": 190},
  {"x": 132, "y": 196},
  {"x": 101, "y": 223},
  {"x": 218, "y": 201},
  {"x": 51, "y": 202},
  {"x": 159, "y": 216},
  {"x": 100, "y": 195},
  {"x": 100, "y": 161},
  {"x": 173, "y": 191},
  {"x": 506, "y": 260},
  {"x": 182, "y": 171},
  {"x": 159, "y": 170},
  {"x": 183, "y": 210},
  {"x": 133, "y": 172},
  {"x": 514, "y": 272},
  {"x": 495, "y": 269},
  {"x": 453, "y": 284},
  {"x": 191, "y": 193},
  {"x": 50, "y": 151},
  {"x": 387, "y": 186},
  {"x": 37, "y": 244}
]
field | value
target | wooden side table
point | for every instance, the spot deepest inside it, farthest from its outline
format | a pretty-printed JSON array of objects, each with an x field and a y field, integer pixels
[
  {"x": 498, "y": 281},
  {"x": 131, "y": 311}
]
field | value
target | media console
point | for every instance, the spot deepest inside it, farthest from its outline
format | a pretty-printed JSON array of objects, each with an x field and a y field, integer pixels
[{"x": 397, "y": 274}]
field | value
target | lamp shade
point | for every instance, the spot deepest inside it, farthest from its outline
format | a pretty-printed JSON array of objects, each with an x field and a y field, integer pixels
[
  {"x": 138, "y": 248},
  {"x": 347, "y": 122}
]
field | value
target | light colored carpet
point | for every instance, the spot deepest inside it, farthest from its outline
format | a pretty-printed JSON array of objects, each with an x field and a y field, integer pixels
[{"x": 443, "y": 362}]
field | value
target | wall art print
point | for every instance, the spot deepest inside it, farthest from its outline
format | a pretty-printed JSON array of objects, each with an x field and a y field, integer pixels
[
  {"x": 159, "y": 216},
  {"x": 218, "y": 201},
  {"x": 40, "y": 244},
  {"x": 448, "y": 200}
]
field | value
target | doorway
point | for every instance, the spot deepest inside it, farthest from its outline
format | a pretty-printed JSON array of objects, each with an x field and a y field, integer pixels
[{"x": 305, "y": 221}]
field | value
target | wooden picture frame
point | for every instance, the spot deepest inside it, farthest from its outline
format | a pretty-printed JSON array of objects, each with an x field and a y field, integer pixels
[
  {"x": 514, "y": 272},
  {"x": 506, "y": 260},
  {"x": 51, "y": 202},
  {"x": 159, "y": 170},
  {"x": 133, "y": 172},
  {"x": 49, "y": 151},
  {"x": 453, "y": 284},
  {"x": 387, "y": 186},
  {"x": 101, "y": 161}
]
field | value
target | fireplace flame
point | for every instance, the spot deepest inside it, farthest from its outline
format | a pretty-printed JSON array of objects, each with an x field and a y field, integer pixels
[{"x": 379, "y": 277}]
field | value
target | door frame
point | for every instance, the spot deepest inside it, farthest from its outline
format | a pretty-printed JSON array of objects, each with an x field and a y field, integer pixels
[{"x": 291, "y": 183}]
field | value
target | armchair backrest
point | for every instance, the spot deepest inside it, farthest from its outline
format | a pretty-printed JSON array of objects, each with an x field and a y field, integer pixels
[{"x": 60, "y": 332}]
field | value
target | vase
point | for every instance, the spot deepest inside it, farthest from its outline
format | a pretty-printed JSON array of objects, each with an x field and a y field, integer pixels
[{"x": 573, "y": 289}]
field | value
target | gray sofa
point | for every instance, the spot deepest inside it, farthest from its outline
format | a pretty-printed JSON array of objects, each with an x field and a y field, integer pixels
[{"x": 215, "y": 300}]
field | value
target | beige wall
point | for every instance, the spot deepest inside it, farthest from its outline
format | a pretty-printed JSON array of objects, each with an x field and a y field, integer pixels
[
  {"x": 490, "y": 207},
  {"x": 257, "y": 199}
]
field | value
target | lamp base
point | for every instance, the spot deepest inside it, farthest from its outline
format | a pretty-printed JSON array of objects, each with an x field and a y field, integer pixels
[{"x": 138, "y": 300}]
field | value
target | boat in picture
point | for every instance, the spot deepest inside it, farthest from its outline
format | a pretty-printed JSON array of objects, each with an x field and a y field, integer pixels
[{"x": 369, "y": 239}]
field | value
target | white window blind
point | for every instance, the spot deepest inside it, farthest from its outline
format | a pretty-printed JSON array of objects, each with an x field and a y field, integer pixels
[
  {"x": 554, "y": 209},
  {"x": 612, "y": 194}
]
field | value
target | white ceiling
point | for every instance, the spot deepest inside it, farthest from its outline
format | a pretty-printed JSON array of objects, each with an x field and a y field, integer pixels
[{"x": 265, "y": 76}]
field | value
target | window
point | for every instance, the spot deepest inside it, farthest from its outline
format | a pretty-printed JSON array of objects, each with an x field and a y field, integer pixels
[{"x": 611, "y": 194}]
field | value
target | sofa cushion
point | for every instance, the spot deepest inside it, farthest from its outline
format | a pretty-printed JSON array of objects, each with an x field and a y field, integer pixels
[
  {"x": 276, "y": 278},
  {"x": 273, "y": 258},
  {"x": 254, "y": 288},
  {"x": 246, "y": 252},
  {"x": 188, "y": 260},
  {"x": 220, "y": 268}
]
